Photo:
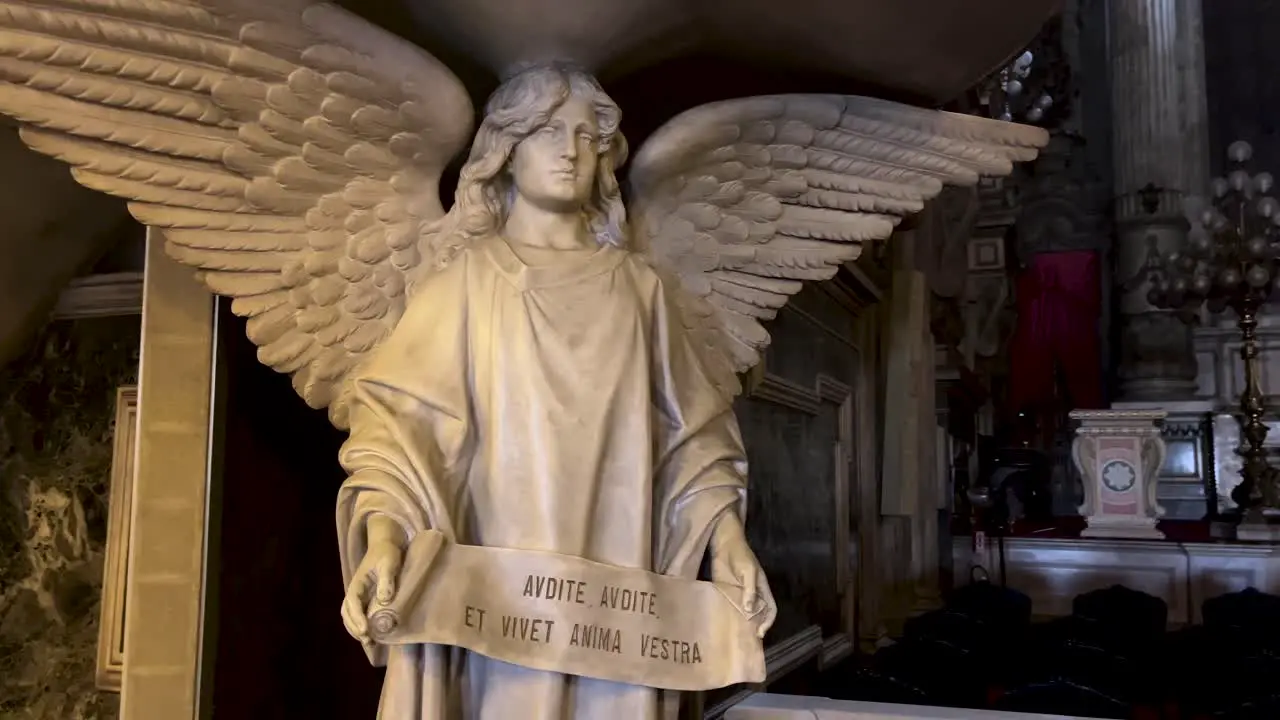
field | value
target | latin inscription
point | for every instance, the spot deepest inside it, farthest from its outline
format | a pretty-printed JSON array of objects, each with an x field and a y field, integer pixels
[
  {"x": 528, "y": 629},
  {"x": 554, "y": 588},
  {"x": 597, "y": 637},
  {"x": 670, "y": 649},
  {"x": 537, "y": 630},
  {"x": 628, "y": 600}
]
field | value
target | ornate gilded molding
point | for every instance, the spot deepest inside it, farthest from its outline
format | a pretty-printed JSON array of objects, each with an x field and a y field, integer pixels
[{"x": 110, "y": 662}]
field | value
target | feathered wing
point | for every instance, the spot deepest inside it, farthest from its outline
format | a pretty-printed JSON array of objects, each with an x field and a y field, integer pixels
[
  {"x": 739, "y": 202},
  {"x": 290, "y": 151}
]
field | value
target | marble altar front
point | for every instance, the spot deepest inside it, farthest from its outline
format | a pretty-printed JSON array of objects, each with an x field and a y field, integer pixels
[{"x": 1201, "y": 466}]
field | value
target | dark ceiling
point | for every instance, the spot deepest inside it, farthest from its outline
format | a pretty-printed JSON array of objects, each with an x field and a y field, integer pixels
[{"x": 921, "y": 51}]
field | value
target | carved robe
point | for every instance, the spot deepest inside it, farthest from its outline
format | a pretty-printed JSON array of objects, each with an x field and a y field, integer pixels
[{"x": 558, "y": 408}]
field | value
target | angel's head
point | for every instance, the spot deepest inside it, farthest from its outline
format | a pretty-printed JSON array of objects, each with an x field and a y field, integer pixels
[{"x": 550, "y": 133}]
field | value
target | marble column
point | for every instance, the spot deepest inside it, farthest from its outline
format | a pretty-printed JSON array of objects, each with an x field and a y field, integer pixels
[{"x": 1161, "y": 157}]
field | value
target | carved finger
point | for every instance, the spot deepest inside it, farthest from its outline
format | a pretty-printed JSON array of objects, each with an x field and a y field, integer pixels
[
  {"x": 355, "y": 608},
  {"x": 719, "y": 571},
  {"x": 347, "y": 620},
  {"x": 386, "y": 579},
  {"x": 770, "y": 607},
  {"x": 361, "y": 583},
  {"x": 749, "y": 579},
  {"x": 353, "y": 615}
]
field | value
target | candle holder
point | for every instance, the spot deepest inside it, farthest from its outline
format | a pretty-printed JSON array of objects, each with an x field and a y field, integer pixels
[{"x": 1231, "y": 260}]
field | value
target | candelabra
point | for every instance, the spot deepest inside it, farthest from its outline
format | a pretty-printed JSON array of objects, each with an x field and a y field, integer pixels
[
  {"x": 1006, "y": 95},
  {"x": 1033, "y": 88},
  {"x": 1231, "y": 260}
]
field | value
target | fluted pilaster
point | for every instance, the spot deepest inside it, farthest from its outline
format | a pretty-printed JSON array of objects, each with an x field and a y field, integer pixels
[{"x": 1160, "y": 155}]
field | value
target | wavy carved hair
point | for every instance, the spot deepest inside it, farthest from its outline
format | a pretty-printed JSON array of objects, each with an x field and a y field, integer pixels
[{"x": 521, "y": 106}]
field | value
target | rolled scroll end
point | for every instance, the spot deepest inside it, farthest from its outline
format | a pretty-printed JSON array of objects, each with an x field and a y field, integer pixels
[{"x": 384, "y": 621}]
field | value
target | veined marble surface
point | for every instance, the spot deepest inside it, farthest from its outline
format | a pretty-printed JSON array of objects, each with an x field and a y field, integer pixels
[{"x": 57, "y": 404}]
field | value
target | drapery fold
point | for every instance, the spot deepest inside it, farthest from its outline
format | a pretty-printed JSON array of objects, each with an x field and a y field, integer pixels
[{"x": 552, "y": 408}]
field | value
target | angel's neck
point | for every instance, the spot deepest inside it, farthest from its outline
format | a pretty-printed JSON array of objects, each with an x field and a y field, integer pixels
[{"x": 538, "y": 227}]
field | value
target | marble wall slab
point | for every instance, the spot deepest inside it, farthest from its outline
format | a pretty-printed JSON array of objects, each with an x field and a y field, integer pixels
[{"x": 57, "y": 404}]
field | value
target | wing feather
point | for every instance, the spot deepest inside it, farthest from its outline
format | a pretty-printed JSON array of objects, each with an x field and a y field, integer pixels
[
  {"x": 741, "y": 202},
  {"x": 289, "y": 150}
]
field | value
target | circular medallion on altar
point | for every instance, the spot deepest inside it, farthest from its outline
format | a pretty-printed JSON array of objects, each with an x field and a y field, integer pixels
[{"x": 1119, "y": 476}]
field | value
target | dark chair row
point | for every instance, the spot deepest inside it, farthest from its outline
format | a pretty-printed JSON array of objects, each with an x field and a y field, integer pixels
[{"x": 1111, "y": 658}]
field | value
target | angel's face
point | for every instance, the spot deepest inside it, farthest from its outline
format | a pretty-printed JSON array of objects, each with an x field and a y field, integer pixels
[{"x": 555, "y": 167}]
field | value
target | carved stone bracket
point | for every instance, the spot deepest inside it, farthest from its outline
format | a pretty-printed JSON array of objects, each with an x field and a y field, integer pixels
[
  {"x": 968, "y": 273},
  {"x": 945, "y": 232}
]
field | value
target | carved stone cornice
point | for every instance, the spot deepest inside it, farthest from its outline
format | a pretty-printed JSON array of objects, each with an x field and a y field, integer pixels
[
  {"x": 766, "y": 386},
  {"x": 853, "y": 289},
  {"x": 1119, "y": 423},
  {"x": 103, "y": 295},
  {"x": 1119, "y": 415}
]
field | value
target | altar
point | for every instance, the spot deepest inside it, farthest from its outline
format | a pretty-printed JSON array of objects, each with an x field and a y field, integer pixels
[{"x": 1052, "y": 571}]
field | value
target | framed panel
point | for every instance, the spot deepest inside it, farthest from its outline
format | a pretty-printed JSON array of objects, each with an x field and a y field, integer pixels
[
  {"x": 764, "y": 385},
  {"x": 986, "y": 254},
  {"x": 110, "y": 669},
  {"x": 801, "y": 402}
]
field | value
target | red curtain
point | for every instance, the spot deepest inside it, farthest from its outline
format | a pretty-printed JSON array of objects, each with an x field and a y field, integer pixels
[{"x": 1059, "y": 304}]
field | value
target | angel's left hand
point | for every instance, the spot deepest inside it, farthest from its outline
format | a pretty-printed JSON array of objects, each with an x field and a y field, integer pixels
[{"x": 733, "y": 563}]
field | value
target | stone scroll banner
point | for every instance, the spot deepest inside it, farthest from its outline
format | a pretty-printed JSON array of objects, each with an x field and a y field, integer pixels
[{"x": 574, "y": 616}]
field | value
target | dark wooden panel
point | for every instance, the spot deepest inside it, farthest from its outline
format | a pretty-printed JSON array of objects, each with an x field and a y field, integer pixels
[{"x": 282, "y": 652}]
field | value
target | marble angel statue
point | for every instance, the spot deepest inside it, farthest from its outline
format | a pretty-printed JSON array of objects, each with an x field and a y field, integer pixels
[{"x": 534, "y": 369}]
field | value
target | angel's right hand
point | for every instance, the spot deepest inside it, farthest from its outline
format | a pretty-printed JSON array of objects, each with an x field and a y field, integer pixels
[{"x": 375, "y": 577}]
